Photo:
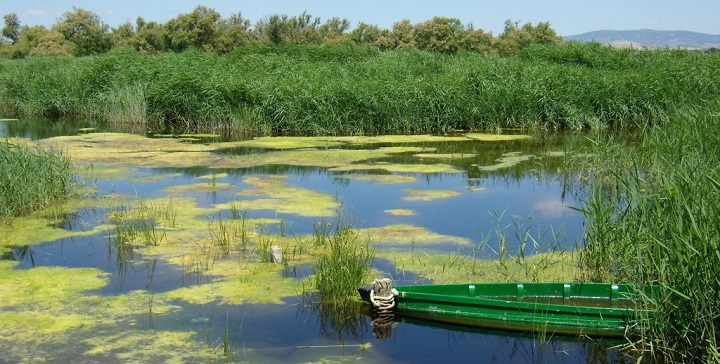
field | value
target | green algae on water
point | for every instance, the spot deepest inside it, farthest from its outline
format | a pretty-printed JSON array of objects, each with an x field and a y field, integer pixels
[
  {"x": 446, "y": 156},
  {"x": 274, "y": 193},
  {"x": 428, "y": 195},
  {"x": 399, "y": 168},
  {"x": 506, "y": 161},
  {"x": 496, "y": 137},
  {"x": 400, "y": 212},
  {"x": 409, "y": 234},
  {"x": 384, "y": 179},
  {"x": 454, "y": 267}
]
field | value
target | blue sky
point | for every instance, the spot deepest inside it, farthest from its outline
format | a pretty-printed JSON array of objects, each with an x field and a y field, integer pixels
[{"x": 568, "y": 17}]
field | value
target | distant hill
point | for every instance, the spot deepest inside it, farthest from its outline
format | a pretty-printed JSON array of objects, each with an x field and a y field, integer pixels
[{"x": 650, "y": 38}]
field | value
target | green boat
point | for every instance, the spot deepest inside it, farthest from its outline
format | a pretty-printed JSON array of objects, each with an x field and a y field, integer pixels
[{"x": 582, "y": 309}]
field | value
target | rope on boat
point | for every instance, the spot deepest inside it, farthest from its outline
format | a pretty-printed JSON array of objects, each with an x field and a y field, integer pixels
[{"x": 383, "y": 303}]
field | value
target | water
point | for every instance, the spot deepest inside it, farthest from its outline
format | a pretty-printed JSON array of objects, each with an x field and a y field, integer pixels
[{"x": 531, "y": 199}]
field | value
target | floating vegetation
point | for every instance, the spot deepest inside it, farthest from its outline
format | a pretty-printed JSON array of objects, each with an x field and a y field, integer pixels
[
  {"x": 290, "y": 142},
  {"x": 400, "y": 212},
  {"x": 105, "y": 172},
  {"x": 199, "y": 136},
  {"x": 36, "y": 229},
  {"x": 156, "y": 178},
  {"x": 214, "y": 176},
  {"x": 150, "y": 346},
  {"x": 8, "y": 119},
  {"x": 400, "y": 139},
  {"x": 238, "y": 283},
  {"x": 198, "y": 187},
  {"x": 409, "y": 234},
  {"x": 399, "y": 168},
  {"x": 496, "y": 137},
  {"x": 283, "y": 198},
  {"x": 447, "y": 156},
  {"x": 428, "y": 195},
  {"x": 453, "y": 267},
  {"x": 507, "y": 160},
  {"x": 384, "y": 179}
]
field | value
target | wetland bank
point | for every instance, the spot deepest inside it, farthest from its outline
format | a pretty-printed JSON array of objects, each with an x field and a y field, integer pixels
[{"x": 128, "y": 237}]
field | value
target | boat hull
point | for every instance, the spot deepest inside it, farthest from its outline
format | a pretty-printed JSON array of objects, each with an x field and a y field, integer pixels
[{"x": 590, "y": 309}]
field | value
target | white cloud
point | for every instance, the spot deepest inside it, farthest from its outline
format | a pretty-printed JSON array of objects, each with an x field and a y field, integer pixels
[{"x": 36, "y": 12}]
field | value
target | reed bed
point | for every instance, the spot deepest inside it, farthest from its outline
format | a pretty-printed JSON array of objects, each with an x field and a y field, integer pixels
[
  {"x": 654, "y": 216},
  {"x": 321, "y": 90},
  {"x": 32, "y": 179}
]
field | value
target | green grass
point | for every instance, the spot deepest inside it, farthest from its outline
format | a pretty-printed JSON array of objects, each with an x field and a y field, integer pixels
[
  {"x": 322, "y": 90},
  {"x": 343, "y": 264},
  {"x": 654, "y": 216},
  {"x": 32, "y": 179}
]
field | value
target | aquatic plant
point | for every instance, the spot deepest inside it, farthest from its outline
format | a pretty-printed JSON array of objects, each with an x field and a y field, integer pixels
[
  {"x": 32, "y": 178},
  {"x": 285, "y": 90},
  {"x": 653, "y": 216},
  {"x": 343, "y": 264}
]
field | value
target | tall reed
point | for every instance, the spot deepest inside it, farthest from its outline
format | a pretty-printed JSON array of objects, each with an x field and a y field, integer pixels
[
  {"x": 321, "y": 90},
  {"x": 659, "y": 221},
  {"x": 32, "y": 178}
]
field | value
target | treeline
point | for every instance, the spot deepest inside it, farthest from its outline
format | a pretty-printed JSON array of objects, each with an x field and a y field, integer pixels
[{"x": 81, "y": 33}]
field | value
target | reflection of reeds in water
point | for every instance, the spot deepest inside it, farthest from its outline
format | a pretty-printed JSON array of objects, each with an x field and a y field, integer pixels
[{"x": 337, "y": 320}]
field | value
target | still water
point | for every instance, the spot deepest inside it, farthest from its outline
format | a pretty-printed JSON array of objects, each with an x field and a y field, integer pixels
[{"x": 491, "y": 204}]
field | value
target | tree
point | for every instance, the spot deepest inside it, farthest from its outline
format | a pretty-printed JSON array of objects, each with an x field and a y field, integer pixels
[
  {"x": 123, "y": 36},
  {"x": 333, "y": 31},
  {"x": 365, "y": 33},
  {"x": 197, "y": 29},
  {"x": 11, "y": 30},
  {"x": 279, "y": 29},
  {"x": 28, "y": 39},
  {"x": 515, "y": 38},
  {"x": 440, "y": 35},
  {"x": 85, "y": 31},
  {"x": 52, "y": 44},
  {"x": 403, "y": 34},
  {"x": 149, "y": 36},
  {"x": 232, "y": 32},
  {"x": 477, "y": 40}
]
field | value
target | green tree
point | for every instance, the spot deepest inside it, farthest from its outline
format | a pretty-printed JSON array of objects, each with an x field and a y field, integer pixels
[
  {"x": 477, "y": 40},
  {"x": 52, "y": 44},
  {"x": 196, "y": 29},
  {"x": 277, "y": 29},
  {"x": 27, "y": 40},
  {"x": 403, "y": 34},
  {"x": 333, "y": 30},
  {"x": 439, "y": 34},
  {"x": 123, "y": 36},
  {"x": 515, "y": 38},
  {"x": 365, "y": 33},
  {"x": 85, "y": 31},
  {"x": 149, "y": 36},
  {"x": 11, "y": 30},
  {"x": 386, "y": 40},
  {"x": 232, "y": 32}
]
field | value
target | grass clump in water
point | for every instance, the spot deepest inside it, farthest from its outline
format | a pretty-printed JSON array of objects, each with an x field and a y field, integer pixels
[
  {"x": 32, "y": 179},
  {"x": 343, "y": 264}
]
